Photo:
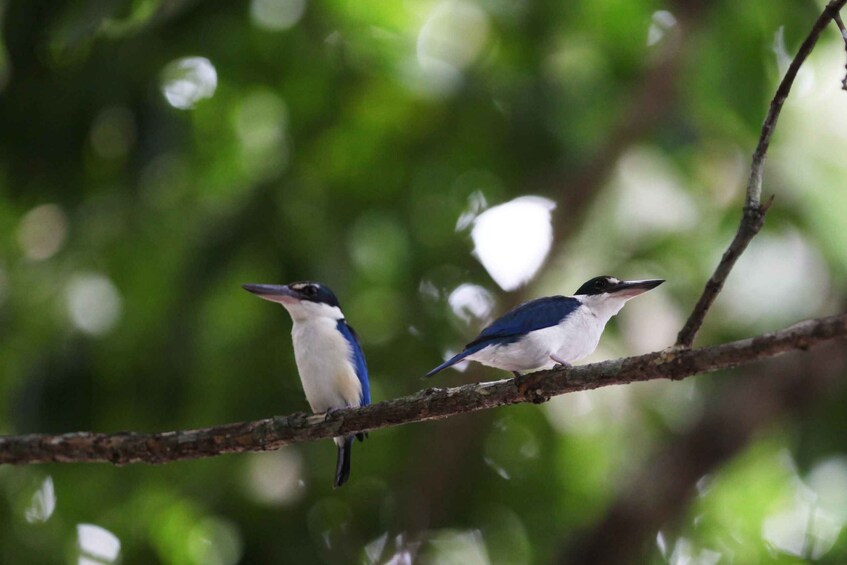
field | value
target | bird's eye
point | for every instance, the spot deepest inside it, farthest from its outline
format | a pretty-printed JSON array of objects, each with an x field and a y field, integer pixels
[
  {"x": 310, "y": 290},
  {"x": 600, "y": 284}
]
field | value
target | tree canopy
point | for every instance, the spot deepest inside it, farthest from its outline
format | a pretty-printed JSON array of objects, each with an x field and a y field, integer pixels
[{"x": 435, "y": 163}]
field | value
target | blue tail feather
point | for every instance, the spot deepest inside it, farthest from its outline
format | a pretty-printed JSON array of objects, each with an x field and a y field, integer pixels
[{"x": 457, "y": 358}]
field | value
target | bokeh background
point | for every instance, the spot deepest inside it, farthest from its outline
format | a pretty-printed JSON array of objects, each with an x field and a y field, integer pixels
[{"x": 435, "y": 162}]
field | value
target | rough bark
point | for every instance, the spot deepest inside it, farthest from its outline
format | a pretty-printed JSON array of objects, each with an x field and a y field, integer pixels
[{"x": 429, "y": 404}]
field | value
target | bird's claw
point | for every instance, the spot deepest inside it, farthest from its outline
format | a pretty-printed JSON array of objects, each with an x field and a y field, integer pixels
[{"x": 560, "y": 363}]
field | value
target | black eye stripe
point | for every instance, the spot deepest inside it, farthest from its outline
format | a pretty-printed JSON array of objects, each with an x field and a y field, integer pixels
[
  {"x": 597, "y": 285},
  {"x": 314, "y": 292}
]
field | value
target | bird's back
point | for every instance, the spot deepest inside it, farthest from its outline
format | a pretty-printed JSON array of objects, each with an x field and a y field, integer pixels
[{"x": 528, "y": 317}]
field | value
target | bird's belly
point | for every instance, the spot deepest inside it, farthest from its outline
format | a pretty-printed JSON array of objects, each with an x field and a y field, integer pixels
[
  {"x": 578, "y": 337},
  {"x": 523, "y": 355},
  {"x": 323, "y": 361},
  {"x": 570, "y": 341}
]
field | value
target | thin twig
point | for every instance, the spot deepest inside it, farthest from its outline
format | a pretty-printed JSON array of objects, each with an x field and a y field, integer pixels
[
  {"x": 430, "y": 404},
  {"x": 754, "y": 212},
  {"x": 665, "y": 484},
  {"x": 843, "y": 30}
]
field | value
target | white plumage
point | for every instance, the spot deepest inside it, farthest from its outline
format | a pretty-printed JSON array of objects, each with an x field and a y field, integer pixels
[
  {"x": 329, "y": 359},
  {"x": 553, "y": 330},
  {"x": 323, "y": 361},
  {"x": 574, "y": 338}
]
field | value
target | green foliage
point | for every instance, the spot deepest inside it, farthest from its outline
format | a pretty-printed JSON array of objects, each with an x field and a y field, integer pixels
[{"x": 156, "y": 155}]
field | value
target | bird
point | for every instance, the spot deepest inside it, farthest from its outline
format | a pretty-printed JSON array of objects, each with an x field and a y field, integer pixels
[
  {"x": 327, "y": 352},
  {"x": 551, "y": 331}
]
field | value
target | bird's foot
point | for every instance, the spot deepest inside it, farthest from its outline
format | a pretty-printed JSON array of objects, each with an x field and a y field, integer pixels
[
  {"x": 560, "y": 363},
  {"x": 528, "y": 386},
  {"x": 329, "y": 412}
]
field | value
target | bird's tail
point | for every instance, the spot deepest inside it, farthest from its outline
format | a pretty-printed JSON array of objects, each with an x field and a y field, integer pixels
[
  {"x": 342, "y": 467},
  {"x": 452, "y": 361}
]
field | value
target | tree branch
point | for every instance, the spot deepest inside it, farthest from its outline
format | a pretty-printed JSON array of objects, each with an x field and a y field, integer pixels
[
  {"x": 754, "y": 212},
  {"x": 843, "y": 30},
  {"x": 430, "y": 404}
]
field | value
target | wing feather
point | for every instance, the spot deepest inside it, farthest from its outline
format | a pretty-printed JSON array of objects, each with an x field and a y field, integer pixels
[
  {"x": 357, "y": 358},
  {"x": 530, "y": 316}
]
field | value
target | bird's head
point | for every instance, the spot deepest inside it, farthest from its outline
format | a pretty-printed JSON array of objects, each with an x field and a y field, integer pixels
[
  {"x": 303, "y": 300},
  {"x": 606, "y": 295}
]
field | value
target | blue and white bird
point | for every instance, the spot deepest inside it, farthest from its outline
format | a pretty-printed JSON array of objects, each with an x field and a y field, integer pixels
[
  {"x": 551, "y": 331},
  {"x": 329, "y": 358}
]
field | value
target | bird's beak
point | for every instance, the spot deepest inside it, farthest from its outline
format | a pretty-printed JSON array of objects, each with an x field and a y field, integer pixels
[
  {"x": 274, "y": 292},
  {"x": 630, "y": 289}
]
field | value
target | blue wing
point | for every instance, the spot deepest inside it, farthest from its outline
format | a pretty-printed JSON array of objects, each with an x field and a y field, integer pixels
[
  {"x": 530, "y": 316},
  {"x": 358, "y": 359}
]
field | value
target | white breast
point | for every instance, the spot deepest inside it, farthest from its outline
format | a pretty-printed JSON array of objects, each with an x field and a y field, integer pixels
[
  {"x": 323, "y": 361},
  {"x": 578, "y": 335}
]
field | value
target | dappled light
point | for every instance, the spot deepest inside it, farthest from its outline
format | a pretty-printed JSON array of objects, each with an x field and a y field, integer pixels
[
  {"x": 779, "y": 268},
  {"x": 471, "y": 303},
  {"x": 275, "y": 479},
  {"x": 448, "y": 546},
  {"x": 93, "y": 303},
  {"x": 97, "y": 544},
  {"x": 277, "y": 15},
  {"x": 395, "y": 551},
  {"x": 436, "y": 164},
  {"x": 43, "y": 503},
  {"x": 685, "y": 552},
  {"x": 42, "y": 231},
  {"x": 187, "y": 81},
  {"x": 661, "y": 22},
  {"x": 828, "y": 480},
  {"x": 512, "y": 240},
  {"x": 813, "y": 517},
  {"x": 452, "y": 38},
  {"x": 651, "y": 198}
]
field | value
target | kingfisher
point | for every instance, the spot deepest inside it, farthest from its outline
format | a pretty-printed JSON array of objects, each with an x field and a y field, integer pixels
[
  {"x": 551, "y": 331},
  {"x": 329, "y": 357}
]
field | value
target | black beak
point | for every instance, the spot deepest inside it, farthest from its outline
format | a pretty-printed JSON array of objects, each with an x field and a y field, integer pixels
[
  {"x": 272, "y": 292},
  {"x": 634, "y": 288}
]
